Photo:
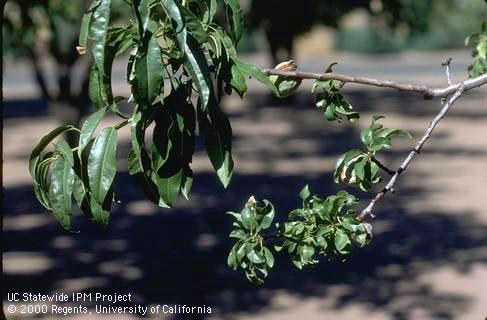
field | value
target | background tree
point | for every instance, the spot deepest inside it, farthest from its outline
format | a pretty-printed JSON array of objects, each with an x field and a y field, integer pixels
[
  {"x": 397, "y": 24},
  {"x": 48, "y": 30}
]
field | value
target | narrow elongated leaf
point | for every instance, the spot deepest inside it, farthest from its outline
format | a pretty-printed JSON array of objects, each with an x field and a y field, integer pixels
[
  {"x": 255, "y": 72},
  {"x": 79, "y": 191},
  {"x": 234, "y": 14},
  {"x": 98, "y": 33},
  {"x": 195, "y": 26},
  {"x": 187, "y": 182},
  {"x": 226, "y": 42},
  {"x": 173, "y": 146},
  {"x": 65, "y": 150},
  {"x": 149, "y": 73},
  {"x": 195, "y": 60},
  {"x": 85, "y": 27},
  {"x": 41, "y": 178},
  {"x": 102, "y": 164},
  {"x": 44, "y": 143},
  {"x": 142, "y": 10},
  {"x": 169, "y": 188},
  {"x": 139, "y": 163},
  {"x": 217, "y": 132},
  {"x": 60, "y": 191},
  {"x": 89, "y": 126},
  {"x": 95, "y": 87},
  {"x": 238, "y": 82},
  {"x": 100, "y": 213},
  {"x": 197, "y": 66}
]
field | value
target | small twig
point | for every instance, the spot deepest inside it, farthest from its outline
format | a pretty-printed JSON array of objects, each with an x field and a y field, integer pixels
[
  {"x": 122, "y": 124},
  {"x": 446, "y": 64},
  {"x": 272, "y": 237},
  {"x": 428, "y": 92},
  {"x": 390, "y": 185},
  {"x": 383, "y": 167}
]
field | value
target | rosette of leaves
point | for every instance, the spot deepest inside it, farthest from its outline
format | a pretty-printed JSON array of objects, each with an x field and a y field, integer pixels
[
  {"x": 359, "y": 167},
  {"x": 479, "y": 64},
  {"x": 249, "y": 253},
  {"x": 181, "y": 62},
  {"x": 325, "y": 227},
  {"x": 331, "y": 101}
]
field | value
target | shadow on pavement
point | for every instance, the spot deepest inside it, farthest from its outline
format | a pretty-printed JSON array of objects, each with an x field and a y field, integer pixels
[{"x": 178, "y": 256}]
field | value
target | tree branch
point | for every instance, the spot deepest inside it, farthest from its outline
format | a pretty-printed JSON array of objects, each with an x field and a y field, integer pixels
[
  {"x": 383, "y": 167},
  {"x": 428, "y": 92},
  {"x": 390, "y": 185}
]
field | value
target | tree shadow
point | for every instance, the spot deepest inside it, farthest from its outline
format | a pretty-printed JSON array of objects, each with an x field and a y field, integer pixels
[{"x": 178, "y": 256}]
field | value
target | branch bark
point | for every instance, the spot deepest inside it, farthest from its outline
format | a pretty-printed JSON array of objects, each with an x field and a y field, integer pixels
[{"x": 428, "y": 92}]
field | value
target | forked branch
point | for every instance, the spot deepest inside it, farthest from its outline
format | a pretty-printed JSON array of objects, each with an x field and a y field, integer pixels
[
  {"x": 449, "y": 95},
  {"x": 428, "y": 92},
  {"x": 390, "y": 185}
]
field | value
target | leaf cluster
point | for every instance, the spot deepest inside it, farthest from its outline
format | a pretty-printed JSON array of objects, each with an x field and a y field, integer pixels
[
  {"x": 479, "y": 53},
  {"x": 86, "y": 173},
  {"x": 324, "y": 227},
  {"x": 249, "y": 253},
  {"x": 181, "y": 62},
  {"x": 359, "y": 167},
  {"x": 331, "y": 101}
]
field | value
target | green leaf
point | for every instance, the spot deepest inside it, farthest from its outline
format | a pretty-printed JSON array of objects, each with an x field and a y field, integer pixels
[
  {"x": 60, "y": 191},
  {"x": 248, "y": 217},
  {"x": 269, "y": 258},
  {"x": 195, "y": 26},
  {"x": 88, "y": 128},
  {"x": 139, "y": 163},
  {"x": 232, "y": 258},
  {"x": 234, "y": 14},
  {"x": 65, "y": 151},
  {"x": 217, "y": 132},
  {"x": 304, "y": 193},
  {"x": 230, "y": 52},
  {"x": 360, "y": 168},
  {"x": 169, "y": 188},
  {"x": 149, "y": 70},
  {"x": 238, "y": 233},
  {"x": 238, "y": 81},
  {"x": 40, "y": 173},
  {"x": 98, "y": 33},
  {"x": 102, "y": 164},
  {"x": 84, "y": 30},
  {"x": 242, "y": 249},
  {"x": 307, "y": 253},
  {"x": 100, "y": 213},
  {"x": 257, "y": 73},
  {"x": 254, "y": 256},
  {"x": 45, "y": 141},
  {"x": 195, "y": 60},
  {"x": 142, "y": 12},
  {"x": 267, "y": 213},
  {"x": 342, "y": 242},
  {"x": 187, "y": 182},
  {"x": 95, "y": 88}
]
